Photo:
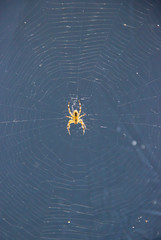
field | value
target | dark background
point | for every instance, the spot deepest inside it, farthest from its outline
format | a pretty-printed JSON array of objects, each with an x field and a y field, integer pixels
[{"x": 105, "y": 184}]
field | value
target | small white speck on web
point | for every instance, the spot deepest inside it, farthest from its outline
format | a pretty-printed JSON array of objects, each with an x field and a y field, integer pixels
[
  {"x": 142, "y": 146},
  {"x": 154, "y": 202},
  {"x": 134, "y": 143}
]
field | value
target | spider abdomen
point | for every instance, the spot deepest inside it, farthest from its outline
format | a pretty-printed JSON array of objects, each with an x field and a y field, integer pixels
[{"x": 75, "y": 117}]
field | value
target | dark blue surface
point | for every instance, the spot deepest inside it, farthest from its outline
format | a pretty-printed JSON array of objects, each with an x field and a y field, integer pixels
[{"x": 105, "y": 184}]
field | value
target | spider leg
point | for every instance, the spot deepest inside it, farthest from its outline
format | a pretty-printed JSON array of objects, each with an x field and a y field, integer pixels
[
  {"x": 83, "y": 125},
  {"x": 69, "y": 108},
  {"x": 69, "y": 117},
  {"x": 68, "y": 126},
  {"x": 80, "y": 107},
  {"x": 82, "y": 115}
]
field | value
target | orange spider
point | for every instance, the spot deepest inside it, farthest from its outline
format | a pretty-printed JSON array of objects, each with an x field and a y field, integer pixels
[{"x": 75, "y": 118}]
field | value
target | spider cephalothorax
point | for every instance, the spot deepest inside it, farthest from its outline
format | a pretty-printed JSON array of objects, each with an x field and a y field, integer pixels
[{"x": 75, "y": 118}]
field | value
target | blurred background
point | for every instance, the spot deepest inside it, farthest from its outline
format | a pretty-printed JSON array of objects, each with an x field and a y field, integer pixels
[{"x": 105, "y": 184}]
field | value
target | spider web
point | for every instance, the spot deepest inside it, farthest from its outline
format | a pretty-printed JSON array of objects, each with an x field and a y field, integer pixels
[{"x": 101, "y": 185}]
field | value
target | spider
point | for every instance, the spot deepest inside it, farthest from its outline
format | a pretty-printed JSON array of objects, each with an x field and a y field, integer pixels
[{"x": 75, "y": 118}]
